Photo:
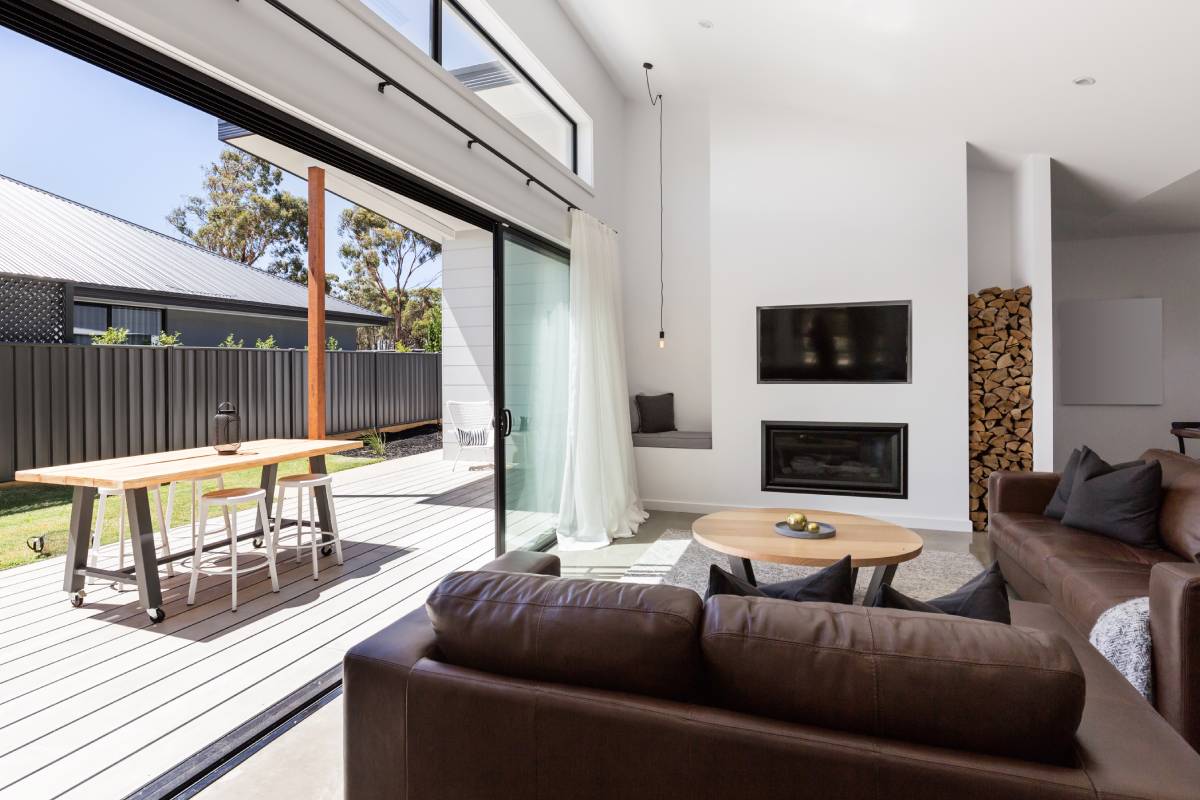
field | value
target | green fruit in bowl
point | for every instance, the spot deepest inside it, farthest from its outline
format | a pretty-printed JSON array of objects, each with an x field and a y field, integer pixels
[
  {"x": 813, "y": 527},
  {"x": 796, "y": 522}
]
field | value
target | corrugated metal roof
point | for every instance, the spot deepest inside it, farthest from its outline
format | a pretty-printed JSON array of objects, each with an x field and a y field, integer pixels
[{"x": 47, "y": 236}]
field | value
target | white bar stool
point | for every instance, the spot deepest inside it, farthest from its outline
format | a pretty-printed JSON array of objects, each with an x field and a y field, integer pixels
[
  {"x": 197, "y": 487},
  {"x": 307, "y": 483},
  {"x": 122, "y": 525},
  {"x": 164, "y": 518},
  {"x": 228, "y": 500}
]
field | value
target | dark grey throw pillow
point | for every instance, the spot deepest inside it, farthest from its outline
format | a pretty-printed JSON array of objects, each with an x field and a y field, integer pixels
[
  {"x": 1120, "y": 502},
  {"x": 982, "y": 597},
  {"x": 657, "y": 412},
  {"x": 1058, "y": 503},
  {"x": 833, "y": 584},
  {"x": 1062, "y": 493}
]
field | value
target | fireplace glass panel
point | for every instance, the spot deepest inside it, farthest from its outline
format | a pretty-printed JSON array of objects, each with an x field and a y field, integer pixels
[{"x": 868, "y": 459}]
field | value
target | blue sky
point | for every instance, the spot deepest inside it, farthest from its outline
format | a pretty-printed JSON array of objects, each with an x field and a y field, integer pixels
[{"x": 81, "y": 132}]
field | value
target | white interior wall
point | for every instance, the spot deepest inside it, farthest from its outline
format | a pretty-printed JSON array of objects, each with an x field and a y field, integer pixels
[
  {"x": 990, "y": 207},
  {"x": 467, "y": 349},
  {"x": 1033, "y": 266},
  {"x": 684, "y": 365},
  {"x": 806, "y": 210},
  {"x": 1166, "y": 266}
]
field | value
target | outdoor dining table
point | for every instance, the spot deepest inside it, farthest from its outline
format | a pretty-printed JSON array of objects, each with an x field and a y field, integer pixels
[{"x": 136, "y": 475}]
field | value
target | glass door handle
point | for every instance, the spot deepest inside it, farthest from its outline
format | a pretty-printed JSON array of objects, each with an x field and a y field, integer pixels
[{"x": 506, "y": 423}]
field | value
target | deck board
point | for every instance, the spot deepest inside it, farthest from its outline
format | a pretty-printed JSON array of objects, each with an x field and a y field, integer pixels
[{"x": 95, "y": 702}]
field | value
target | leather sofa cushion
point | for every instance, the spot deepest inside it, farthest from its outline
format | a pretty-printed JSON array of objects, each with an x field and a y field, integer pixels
[
  {"x": 1174, "y": 465},
  {"x": 1084, "y": 588},
  {"x": 599, "y": 634},
  {"x": 921, "y": 678},
  {"x": 1030, "y": 539},
  {"x": 1179, "y": 516}
]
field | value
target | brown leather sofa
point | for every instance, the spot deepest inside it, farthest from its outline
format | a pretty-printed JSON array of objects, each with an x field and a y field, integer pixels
[
  {"x": 528, "y": 686},
  {"x": 1083, "y": 574}
]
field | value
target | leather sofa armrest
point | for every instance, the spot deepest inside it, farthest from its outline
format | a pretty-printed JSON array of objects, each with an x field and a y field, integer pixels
[
  {"x": 527, "y": 561},
  {"x": 1020, "y": 492},
  {"x": 375, "y": 675},
  {"x": 1175, "y": 638}
]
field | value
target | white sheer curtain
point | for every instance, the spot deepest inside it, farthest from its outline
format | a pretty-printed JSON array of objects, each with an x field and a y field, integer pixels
[{"x": 599, "y": 492}]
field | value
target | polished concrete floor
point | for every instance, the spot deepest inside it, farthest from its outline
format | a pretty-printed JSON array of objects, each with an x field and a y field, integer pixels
[
  {"x": 306, "y": 762},
  {"x": 303, "y": 764}
]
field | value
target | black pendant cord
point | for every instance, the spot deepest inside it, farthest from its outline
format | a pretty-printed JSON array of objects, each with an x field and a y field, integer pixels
[{"x": 657, "y": 100}]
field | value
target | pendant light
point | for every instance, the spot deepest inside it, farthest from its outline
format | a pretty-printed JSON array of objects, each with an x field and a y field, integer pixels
[{"x": 656, "y": 101}]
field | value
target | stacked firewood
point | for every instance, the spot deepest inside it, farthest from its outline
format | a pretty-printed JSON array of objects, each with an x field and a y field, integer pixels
[{"x": 1000, "y": 354}]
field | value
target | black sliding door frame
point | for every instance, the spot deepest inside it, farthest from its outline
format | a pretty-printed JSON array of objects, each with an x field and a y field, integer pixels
[
  {"x": 505, "y": 233},
  {"x": 500, "y": 433},
  {"x": 75, "y": 34},
  {"x": 69, "y": 31},
  {"x": 66, "y": 30}
]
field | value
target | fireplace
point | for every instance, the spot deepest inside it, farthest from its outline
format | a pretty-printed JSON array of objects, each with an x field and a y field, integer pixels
[{"x": 866, "y": 459}]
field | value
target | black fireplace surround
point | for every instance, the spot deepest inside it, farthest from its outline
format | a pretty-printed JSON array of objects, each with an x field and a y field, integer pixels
[{"x": 865, "y": 459}]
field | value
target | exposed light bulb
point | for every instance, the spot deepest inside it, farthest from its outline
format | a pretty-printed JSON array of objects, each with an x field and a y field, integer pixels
[{"x": 662, "y": 340}]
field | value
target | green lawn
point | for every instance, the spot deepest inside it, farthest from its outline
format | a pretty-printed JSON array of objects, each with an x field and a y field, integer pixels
[{"x": 35, "y": 509}]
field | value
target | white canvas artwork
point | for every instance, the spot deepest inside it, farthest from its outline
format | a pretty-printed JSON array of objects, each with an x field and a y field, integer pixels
[{"x": 1110, "y": 352}]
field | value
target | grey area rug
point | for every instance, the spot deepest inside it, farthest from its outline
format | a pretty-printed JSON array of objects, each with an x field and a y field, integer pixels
[{"x": 678, "y": 560}]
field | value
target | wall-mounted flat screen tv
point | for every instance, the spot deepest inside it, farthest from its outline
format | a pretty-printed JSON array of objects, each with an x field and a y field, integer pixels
[{"x": 851, "y": 343}]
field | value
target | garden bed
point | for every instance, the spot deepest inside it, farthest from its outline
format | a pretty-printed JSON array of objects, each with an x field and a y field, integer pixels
[{"x": 405, "y": 443}]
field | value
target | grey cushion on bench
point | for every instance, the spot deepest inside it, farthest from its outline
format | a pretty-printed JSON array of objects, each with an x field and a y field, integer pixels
[{"x": 688, "y": 440}]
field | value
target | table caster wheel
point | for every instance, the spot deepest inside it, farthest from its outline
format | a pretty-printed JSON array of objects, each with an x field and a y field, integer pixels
[
  {"x": 77, "y": 598},
  {"x": 326, "y": 549},
  {"x": 156, "y": 614},
  {"x": 258, "y": 542}
]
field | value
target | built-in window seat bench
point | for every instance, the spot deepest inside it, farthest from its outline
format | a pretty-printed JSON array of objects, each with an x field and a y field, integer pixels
[
  {"x": 665, "y": 413},
  {"x": 687, "y": 440}
]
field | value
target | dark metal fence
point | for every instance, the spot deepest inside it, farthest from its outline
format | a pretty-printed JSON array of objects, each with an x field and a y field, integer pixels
[{"x": 65, "y": 403}]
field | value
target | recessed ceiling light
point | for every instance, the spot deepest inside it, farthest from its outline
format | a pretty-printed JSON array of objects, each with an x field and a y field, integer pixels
[
  {"x": 705, "y": 23},
  {"x": 1086, "y": 80}
]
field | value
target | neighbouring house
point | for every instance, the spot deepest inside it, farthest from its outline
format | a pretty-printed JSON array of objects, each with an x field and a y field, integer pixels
[{"x": 68, "y": 271}]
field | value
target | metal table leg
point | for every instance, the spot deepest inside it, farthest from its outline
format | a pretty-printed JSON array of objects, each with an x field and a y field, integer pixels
[
  {"x": 324, "y": 497},
  {"x": 742, "y": 568},
  {"x": 879, "y": 576},
  {"x": 145, "y": 559},
  {"x": 78, "y": 537}
]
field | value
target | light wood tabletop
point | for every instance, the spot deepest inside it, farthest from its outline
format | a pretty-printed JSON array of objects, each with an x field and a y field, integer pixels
[
  {"x": 137, "y": 476},
  {"x": 153, "y": 469},
  {"x": 750, "y": 534}
]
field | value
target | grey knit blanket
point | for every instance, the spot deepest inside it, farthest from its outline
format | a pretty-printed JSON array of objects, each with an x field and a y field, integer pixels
[{"x": 1122, "y": 635}]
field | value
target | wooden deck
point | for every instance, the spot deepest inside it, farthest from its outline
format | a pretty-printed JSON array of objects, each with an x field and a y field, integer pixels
[{"x": 96, "y": 701}]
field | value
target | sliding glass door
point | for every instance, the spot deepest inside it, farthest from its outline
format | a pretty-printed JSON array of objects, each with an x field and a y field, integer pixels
[{"x": 532, "y": 401}]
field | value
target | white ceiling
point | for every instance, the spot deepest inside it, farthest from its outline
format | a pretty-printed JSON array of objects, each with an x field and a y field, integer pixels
[{"x": 997, "y": 73}]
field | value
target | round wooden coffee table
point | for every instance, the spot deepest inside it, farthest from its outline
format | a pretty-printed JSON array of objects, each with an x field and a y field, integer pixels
[{"x": 749, "y": 534}]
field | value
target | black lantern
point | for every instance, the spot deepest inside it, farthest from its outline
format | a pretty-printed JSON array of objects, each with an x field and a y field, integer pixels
[{"x": 225, "y": 429}]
